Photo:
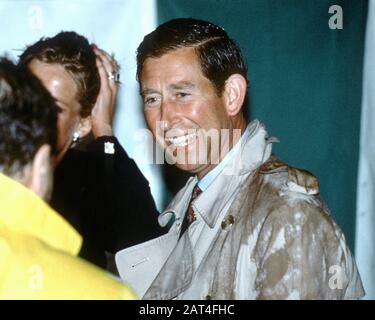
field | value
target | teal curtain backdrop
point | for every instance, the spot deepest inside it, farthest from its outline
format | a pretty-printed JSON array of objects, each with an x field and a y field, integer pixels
[{"x": 305, "y": 83}]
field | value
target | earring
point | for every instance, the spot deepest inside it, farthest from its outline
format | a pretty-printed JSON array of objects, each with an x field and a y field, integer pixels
[{"x": 75, "y": 136}]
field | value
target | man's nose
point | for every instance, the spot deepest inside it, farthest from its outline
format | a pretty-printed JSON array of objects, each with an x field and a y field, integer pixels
[{"x": 168, "y": 114}]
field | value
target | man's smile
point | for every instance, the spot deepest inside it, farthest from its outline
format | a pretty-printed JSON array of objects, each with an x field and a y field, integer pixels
[{"x": 182, "y": 140}]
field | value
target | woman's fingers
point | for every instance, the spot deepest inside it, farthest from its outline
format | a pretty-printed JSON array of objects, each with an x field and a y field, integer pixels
[
  {"x": 110, "y": 68},
  {"x": 104, "y": 81},
  {"x": 109, "y": 63},
  {"x": 102, "y": 113}
]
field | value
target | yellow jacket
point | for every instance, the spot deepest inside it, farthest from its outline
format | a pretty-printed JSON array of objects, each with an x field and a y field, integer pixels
[{"x": 38, "y": 250}]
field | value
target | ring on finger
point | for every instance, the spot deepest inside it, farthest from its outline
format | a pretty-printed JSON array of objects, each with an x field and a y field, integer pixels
[{"x": 113, "y": 75}]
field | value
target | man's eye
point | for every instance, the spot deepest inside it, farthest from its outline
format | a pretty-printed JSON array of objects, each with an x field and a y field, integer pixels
[
  {"x": 182, "y": 94},
  {"x": 150, "y": 100}
]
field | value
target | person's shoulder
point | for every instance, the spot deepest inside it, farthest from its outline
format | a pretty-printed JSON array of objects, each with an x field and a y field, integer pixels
[
  {"x": 291, "y": 204},
  {"x": 28, "y": 264},
  {"x": 294, "y": 194},
  {"x": 291, "y": 185},
  {"x": 289, "y": 179}
]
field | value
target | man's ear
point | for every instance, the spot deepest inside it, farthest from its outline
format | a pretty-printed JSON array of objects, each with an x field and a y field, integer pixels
[
  {"x": 234, "y": 93},
  {"x": 84, "y": 127},
  {"x": 41, "y": 173}
]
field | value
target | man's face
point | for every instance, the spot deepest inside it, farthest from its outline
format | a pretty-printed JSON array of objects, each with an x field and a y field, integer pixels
[
  {"x": 176, "y": 92},
  {"x": 63, "y": 88}
]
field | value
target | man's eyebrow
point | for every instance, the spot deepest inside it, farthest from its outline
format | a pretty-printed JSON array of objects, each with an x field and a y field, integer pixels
[
  {"x": 182, "y": 85},
  {"x": 147, "y": 91}
]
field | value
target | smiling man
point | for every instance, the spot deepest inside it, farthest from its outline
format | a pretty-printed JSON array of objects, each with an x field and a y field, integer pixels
[
  {"x": 180, "y": 99},
  {"x": 245, "y": 225}
]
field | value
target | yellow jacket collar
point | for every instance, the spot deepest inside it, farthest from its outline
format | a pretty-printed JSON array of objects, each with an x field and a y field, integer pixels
[{"x": 23, "y": 211}]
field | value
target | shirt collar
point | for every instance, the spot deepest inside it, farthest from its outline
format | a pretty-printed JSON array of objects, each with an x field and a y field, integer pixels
[
  {"x": 23, "y": 211},
  {"x": 211, "y": 175}
]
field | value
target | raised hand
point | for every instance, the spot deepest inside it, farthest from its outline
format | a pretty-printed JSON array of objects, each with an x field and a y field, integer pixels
[{"x": 102, "y": 113}]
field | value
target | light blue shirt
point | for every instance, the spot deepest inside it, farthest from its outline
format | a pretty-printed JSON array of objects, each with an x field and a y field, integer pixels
[{"x": 211, "y": 175}]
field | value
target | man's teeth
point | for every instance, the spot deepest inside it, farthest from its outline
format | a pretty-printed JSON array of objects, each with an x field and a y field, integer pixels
[{"x": 182, "y": 141}]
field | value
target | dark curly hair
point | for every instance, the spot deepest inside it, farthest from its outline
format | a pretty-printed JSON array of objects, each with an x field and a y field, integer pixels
[
  {"x": 28, "y": 117},
  {"x": 219, "y": 56},
  {"x": 74, "y": 52}
]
